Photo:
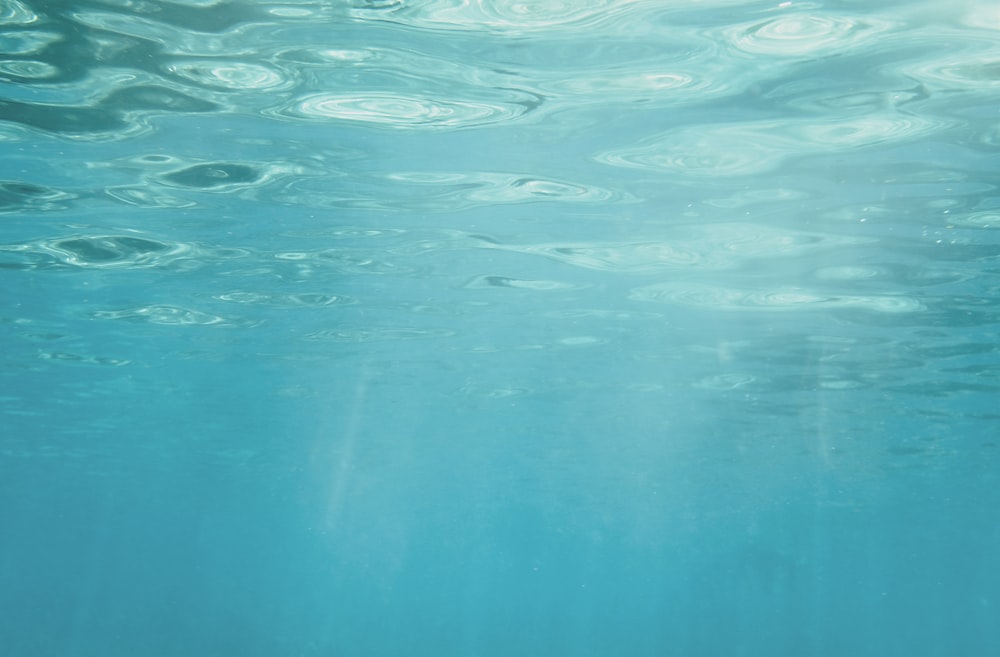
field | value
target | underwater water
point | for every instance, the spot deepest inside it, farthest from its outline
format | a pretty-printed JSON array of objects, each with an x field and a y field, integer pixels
[{"x": 480, "y": 328}]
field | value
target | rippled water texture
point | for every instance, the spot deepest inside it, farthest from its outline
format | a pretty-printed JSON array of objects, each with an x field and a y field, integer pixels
[{"x": 494, "y": 327}]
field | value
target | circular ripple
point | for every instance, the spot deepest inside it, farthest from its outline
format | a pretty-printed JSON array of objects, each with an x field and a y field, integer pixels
[
  {"x": 170, "y": 315},
  {"x": 400, "y": 111},
  {"x": 229, "y": 75},
  {"x": 802, "y": 34},
  {"x": 28, "y": 69},
  {"x": 865, "y": 131},
  {"x": 214, "y": 176},
  {"x": 975, "y": 70}
]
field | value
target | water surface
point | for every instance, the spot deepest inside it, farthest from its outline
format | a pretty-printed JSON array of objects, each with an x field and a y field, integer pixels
[{"x": 490, "y": 328}]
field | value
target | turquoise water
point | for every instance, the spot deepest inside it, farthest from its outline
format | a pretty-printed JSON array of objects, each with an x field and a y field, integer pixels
[{"x": 475, "y": 328}]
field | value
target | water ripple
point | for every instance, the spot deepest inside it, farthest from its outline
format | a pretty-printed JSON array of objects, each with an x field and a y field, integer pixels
[
  {"x": 782, "y": 299},
  {"x": 274, "y": 300},
  {"x": 536, "y": 285},
  {"x": 324, "y": 56},
  {"x": 850, "y": 272},
  {"x": 722, "y": 151},
  {"x": 794, "y": 35},
  {"x": 713, "y": 246},
  {"x": 80, "y": 359},
  {"x": 863, "y": 131},
  {"x": 983, "y": 16},
  {"x": 169, "y": 315},
  {"x": 345, "y": 261},
  {"x": 229, "y": 74},
  {"x": 737, "y": 149},
  {"x": 120, "y": 114},
  {"x": 454, "y": 189},
  {"x": 730, "y": 381},
  {"x": 402, "y": 88},
  {"x": 97, "y": 252},
  {"x": 406, "y": 111},
  {"x": 178, "y": 29},
  {"x": 601, "y": 314},
  {"x": 347, "y": 233},
  {"x": 27, "y": 69},
  {"x": 143, "y": 196},
  {"x": 627, "y": 86},
  {"x": 26, "y": 43},
  {"x": 217, "y": 177},
  {"x": 17, "y": 196},
  {"x": 975, "y": 68},
  {"x": 15, "y": 12},
  {"x": 985, "y": 219},
  {"x": 506, "y": 16},
  {"x": 379, "y": 334}
]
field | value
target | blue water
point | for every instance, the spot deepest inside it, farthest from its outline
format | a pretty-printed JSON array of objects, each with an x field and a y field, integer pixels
[{"x": 486, "y": 328}]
